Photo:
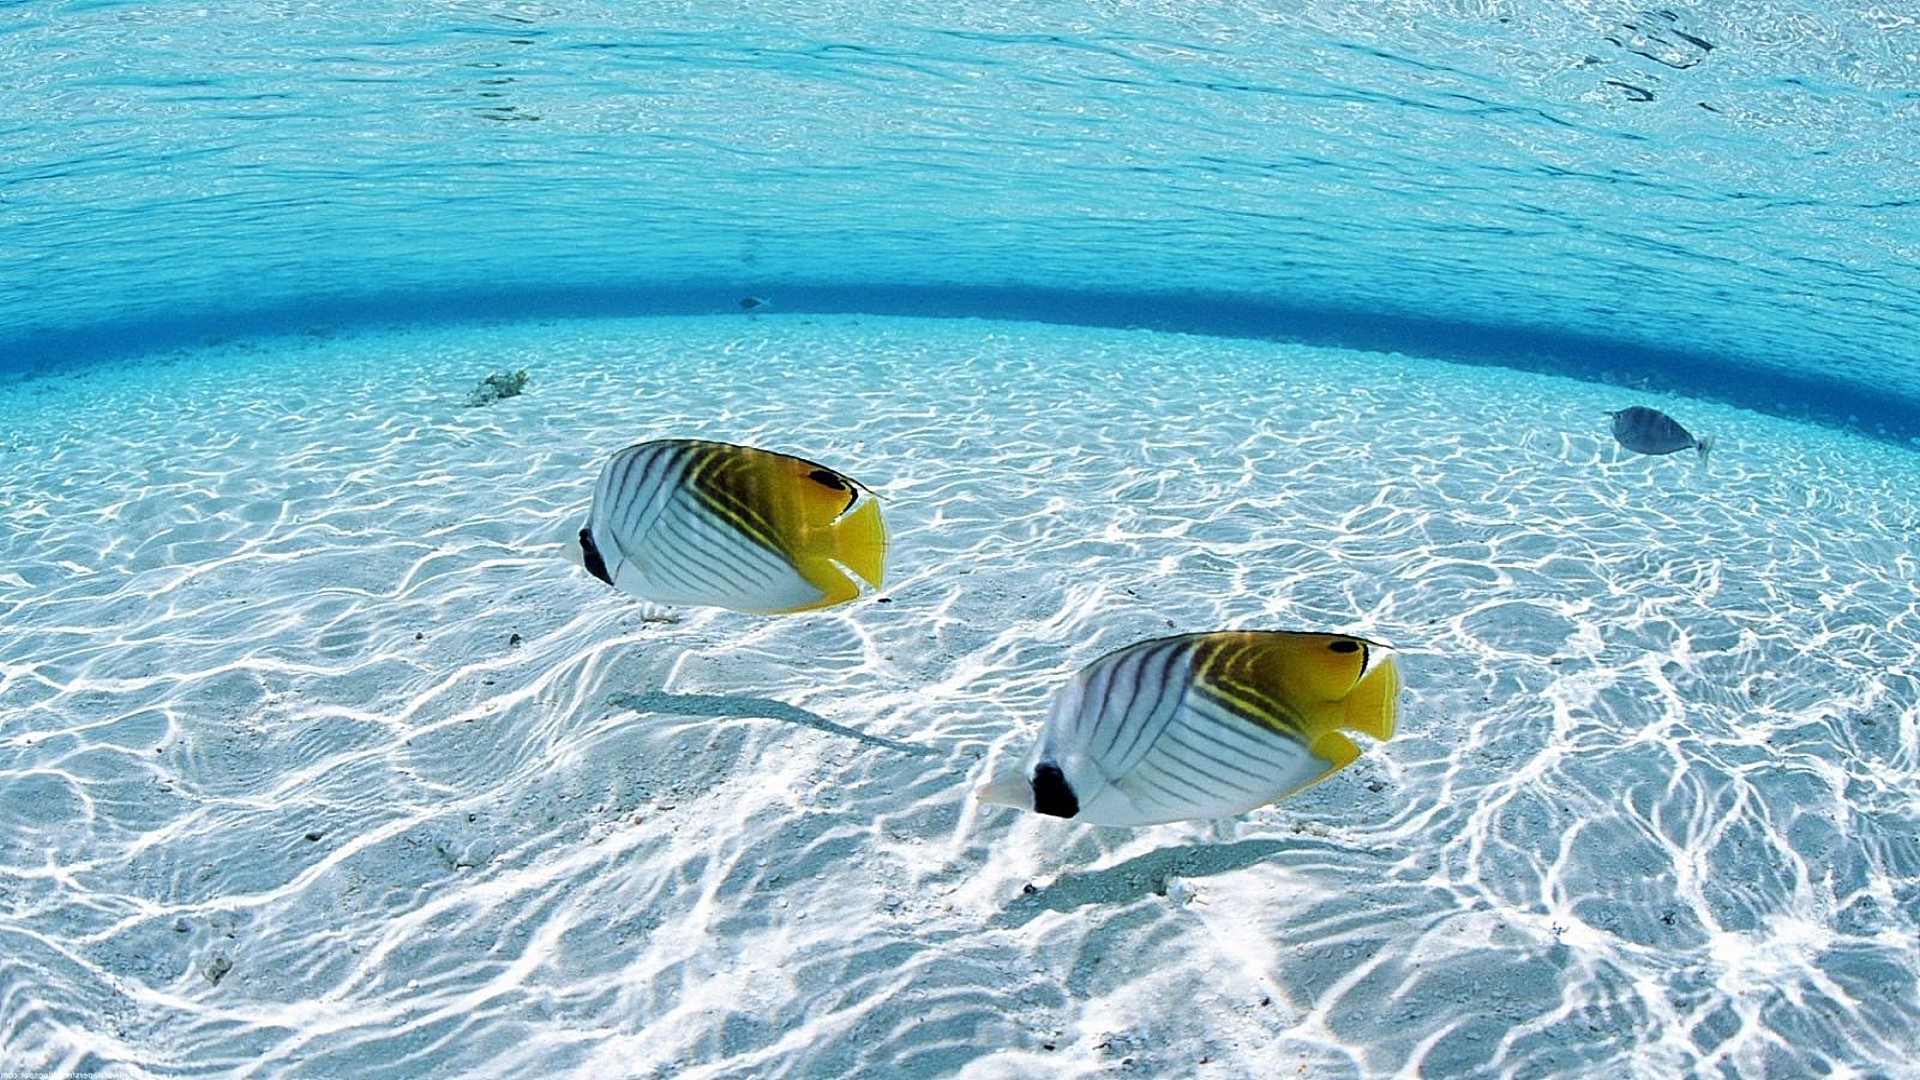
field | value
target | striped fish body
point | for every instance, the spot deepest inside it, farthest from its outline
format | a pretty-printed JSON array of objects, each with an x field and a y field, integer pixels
[
  {"x": 1650, "y": 431},
  {"x": 685, "y": 521},
  {"x": 1203, "y": 726}
]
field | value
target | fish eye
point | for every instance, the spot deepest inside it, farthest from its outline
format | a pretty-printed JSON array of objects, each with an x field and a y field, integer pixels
[
  {"x": 1343, "y": 645},
  {"x": 827, "y": 479}
]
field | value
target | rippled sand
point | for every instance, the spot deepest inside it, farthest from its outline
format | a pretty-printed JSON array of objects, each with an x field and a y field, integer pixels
[{"x": 314, "y": 754}]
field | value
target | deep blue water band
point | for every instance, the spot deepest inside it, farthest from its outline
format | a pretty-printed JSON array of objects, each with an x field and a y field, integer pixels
[{"x": 1802, "y": 394}]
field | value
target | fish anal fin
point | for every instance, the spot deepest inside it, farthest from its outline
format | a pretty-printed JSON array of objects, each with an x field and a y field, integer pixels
[{"x": 1335, "y": 748}]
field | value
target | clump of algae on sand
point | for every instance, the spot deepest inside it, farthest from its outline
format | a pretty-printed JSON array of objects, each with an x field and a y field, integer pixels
[{"x": 500, "y": 384}]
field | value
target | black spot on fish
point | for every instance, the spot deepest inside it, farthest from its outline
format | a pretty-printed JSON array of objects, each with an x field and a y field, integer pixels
[
  {"x": 590, "y": 554},
  {"x": 1051, "y": 792},
  {"x": 1343, "y": 645},
  {"x": 833, "y": 481}
]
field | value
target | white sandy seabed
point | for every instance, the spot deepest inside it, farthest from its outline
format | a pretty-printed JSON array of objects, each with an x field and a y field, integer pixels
[{"x": 317, "y": 760}]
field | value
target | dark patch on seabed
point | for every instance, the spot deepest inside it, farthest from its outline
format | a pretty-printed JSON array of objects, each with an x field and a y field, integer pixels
[
  {"x": 741, "y": 705},
  {"x": 1875, "y": 411},
  {"x": 1118, "y": 885}
]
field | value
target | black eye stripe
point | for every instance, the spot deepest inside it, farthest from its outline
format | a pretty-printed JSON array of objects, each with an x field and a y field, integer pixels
[{"x": 1343, "y": 645}]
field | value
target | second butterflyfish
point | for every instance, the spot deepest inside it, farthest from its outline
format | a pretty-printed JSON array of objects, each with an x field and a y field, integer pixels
[
  {"x": 1203, "y": 726},
  {"x": 687, "y": 521}
]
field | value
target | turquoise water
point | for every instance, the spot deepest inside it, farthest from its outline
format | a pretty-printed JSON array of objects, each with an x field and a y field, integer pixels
[
  {"x": 317, "y": 759},
  {"x": 1718, "y": 199}
]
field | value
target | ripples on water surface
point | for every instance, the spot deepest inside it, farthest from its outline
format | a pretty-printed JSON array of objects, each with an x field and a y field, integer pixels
[
  {"x": 1733, "y": 183},
  {"x": 317, "y": 754}
]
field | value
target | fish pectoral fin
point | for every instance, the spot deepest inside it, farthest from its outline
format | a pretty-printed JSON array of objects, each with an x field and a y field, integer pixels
[{"x": 1335, "y": 748}]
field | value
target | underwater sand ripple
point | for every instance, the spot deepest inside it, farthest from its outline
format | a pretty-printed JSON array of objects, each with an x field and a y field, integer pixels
[{"x": 314, "y": 752}]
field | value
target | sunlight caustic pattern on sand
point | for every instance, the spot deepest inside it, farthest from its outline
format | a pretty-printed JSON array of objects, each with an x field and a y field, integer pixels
[{"x": 314, "y": 752}]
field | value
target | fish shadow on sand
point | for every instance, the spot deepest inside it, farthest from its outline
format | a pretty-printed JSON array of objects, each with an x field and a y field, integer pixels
[
  {"x": 736, "y": 705},
  {"x": 1149, "y": 873}
]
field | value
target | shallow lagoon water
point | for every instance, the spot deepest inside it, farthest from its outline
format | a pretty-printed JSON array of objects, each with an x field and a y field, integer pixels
[
  {"x": 317, "y": 760},
  {"x": 321, "y": 759}
]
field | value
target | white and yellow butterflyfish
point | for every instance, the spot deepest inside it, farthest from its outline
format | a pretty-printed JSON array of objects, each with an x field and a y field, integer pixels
[
  {"x": 1203, "y": 726},
  {"x": 686, "y": 521}
]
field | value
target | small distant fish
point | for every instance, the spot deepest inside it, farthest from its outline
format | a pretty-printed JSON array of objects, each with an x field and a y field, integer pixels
[
  {"x": 1650, "y": 431},
  {"x": 748, "y": 303},
  {"x": 1203, "y": 726},
  {"x": 685, "y": 521}
]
